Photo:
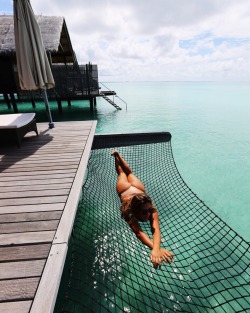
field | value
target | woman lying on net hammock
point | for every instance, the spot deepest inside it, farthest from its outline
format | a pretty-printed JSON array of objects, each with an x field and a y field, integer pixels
[{"x": 137, "y": 206}]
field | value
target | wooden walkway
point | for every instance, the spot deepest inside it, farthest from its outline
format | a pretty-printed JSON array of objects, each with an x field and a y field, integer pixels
[{"x": 40, "y": 186}]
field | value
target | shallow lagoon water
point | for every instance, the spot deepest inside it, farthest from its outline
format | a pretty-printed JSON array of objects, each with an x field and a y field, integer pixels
[{"x": 210, "y": 128}]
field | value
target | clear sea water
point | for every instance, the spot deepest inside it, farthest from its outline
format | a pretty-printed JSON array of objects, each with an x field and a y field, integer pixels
[{"x": 210, "y": 127}]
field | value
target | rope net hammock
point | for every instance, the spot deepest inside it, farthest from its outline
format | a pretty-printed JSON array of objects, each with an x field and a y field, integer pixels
[{"x": 109, "y": 270}]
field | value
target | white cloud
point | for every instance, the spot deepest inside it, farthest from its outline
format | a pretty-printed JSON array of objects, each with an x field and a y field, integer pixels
[{"x": 145, "y": 40}]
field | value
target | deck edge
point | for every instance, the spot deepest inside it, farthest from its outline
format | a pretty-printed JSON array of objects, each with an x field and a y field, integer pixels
[
  {"x": 45, "y": 297},
  {"x": 67, "y": 220}
]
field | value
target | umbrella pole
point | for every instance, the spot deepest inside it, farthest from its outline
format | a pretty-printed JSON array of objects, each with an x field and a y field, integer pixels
[{"x": 45, "y": 98}]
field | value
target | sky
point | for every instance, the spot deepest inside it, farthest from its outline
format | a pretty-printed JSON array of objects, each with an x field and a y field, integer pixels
[{"x": 161, "y": 40}]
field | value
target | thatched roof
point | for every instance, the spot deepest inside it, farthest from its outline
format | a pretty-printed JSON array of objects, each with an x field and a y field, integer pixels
[{"x": 54, "y": 33}]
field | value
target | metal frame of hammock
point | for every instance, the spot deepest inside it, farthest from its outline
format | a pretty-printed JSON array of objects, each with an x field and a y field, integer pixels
[{"x": 108, "y": 269}]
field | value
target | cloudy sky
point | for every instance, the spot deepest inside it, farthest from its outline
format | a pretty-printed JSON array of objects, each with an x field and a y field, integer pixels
[{"x": 166, "y": 40}]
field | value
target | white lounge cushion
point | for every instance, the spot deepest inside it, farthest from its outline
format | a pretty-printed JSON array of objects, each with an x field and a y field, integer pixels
[{"x": 15, "y": 120}]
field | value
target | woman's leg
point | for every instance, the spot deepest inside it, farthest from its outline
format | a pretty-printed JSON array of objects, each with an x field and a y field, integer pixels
[
  {"x": 122, "y": 181},
  {"x": 131, "y": 178},
  {"x": 124, "y": 165}
]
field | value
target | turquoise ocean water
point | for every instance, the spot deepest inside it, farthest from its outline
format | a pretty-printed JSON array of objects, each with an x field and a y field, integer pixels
[{"x": 210, "y": 127}]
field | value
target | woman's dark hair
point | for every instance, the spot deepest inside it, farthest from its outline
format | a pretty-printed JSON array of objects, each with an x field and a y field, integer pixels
[{"x": 131, "y": 207}]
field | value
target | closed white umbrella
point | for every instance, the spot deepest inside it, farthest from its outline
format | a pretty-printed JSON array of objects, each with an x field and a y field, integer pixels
[{"x": 33, "y": 66}]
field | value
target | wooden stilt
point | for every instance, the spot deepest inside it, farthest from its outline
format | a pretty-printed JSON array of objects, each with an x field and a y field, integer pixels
[
  {"x": 59, "y": 103},
  {"x": 13, "y": 101},
  {"x": 91, "y": 104},
  {"x": 7, "y": 100}
]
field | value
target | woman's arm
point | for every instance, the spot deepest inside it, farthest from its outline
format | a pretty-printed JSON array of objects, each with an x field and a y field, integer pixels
[
  {"x": 165, "y": 255},
  {"x": 141, "y": 235},
  {"x": 155, "y": 254}
]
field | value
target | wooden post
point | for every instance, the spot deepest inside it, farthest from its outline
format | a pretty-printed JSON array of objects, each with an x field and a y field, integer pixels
[
  {"x": 7, "y": 100},
  {"x": 91, "y": 104},
  {"x": 13, "y": 101},
  {"x": 88, "y": 78},
  {"x": 32, "y": 99},
  {"x": 59, "y": 103}
]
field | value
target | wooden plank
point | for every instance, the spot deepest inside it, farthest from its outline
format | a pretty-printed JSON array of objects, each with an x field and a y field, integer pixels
[
  {"x": 57, "y": 149},
  {"x": 38, "y": 175},
  {"x": 18, "y": 289},
  {"x": 31, "y": 182},
  {"x": 23, "y": 269},
  {"x": 46, "y": 186},
  {"x": 48, "y": 287},
  {"x": 15, "y": 307},
  {"x": 66, "y": 137},
  {"x": 42, "y": 151},
  {"x": 23, "y": 174},
  {"x": 73, "y": 138},
  {"x": 26, "y": 238},
  {"x": 39, "y": 167},
  {"x": 47, "y": 147},
  {"x": 66, "y": 223},
  {"x": 58, "y": 137},
  {"x": 64, "y": 129},
  {"x": 25, "y": 227},
  {"x": 32, "y": 208},
  {"x": 35, "y": 145},
  {"x": 34, "y": 193},
  {"x": 67, "y": 124},
  {"x": 40, "y": 161},
  {"x": 37, "y": 200},
  {"x": 42, "y": 166},
  {"x": 44, "y": 140},
  {"x": 35, "y": 157},
  {"x": 64, "y": 141},
  {"x": 63, "y": 133},
  {"x": 28, "y": 252},
  {"x": 28, "y": 217},
  {"x": 71, "y": 126}
]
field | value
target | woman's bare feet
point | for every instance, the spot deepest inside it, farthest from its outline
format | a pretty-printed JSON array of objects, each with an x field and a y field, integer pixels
[{"x": 115, "y": 153}]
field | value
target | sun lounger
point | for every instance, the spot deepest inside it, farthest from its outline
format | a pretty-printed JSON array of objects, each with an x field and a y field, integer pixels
[{"x": 16, "y": 126}]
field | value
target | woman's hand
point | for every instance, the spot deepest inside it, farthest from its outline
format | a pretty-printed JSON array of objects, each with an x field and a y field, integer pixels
[
  {"x": 167, "y": 256},
  {"x": 156, "y": 257}
]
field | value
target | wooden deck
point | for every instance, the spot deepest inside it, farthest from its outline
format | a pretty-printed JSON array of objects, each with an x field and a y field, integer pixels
[{"x": 40, "y": 186}]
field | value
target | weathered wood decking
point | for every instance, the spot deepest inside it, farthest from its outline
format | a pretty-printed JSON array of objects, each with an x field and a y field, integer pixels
[{"x": 40, "y": 186}]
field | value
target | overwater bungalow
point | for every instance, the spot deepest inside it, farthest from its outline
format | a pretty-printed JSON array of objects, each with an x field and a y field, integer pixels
[{"x": 73, "y": 81}]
